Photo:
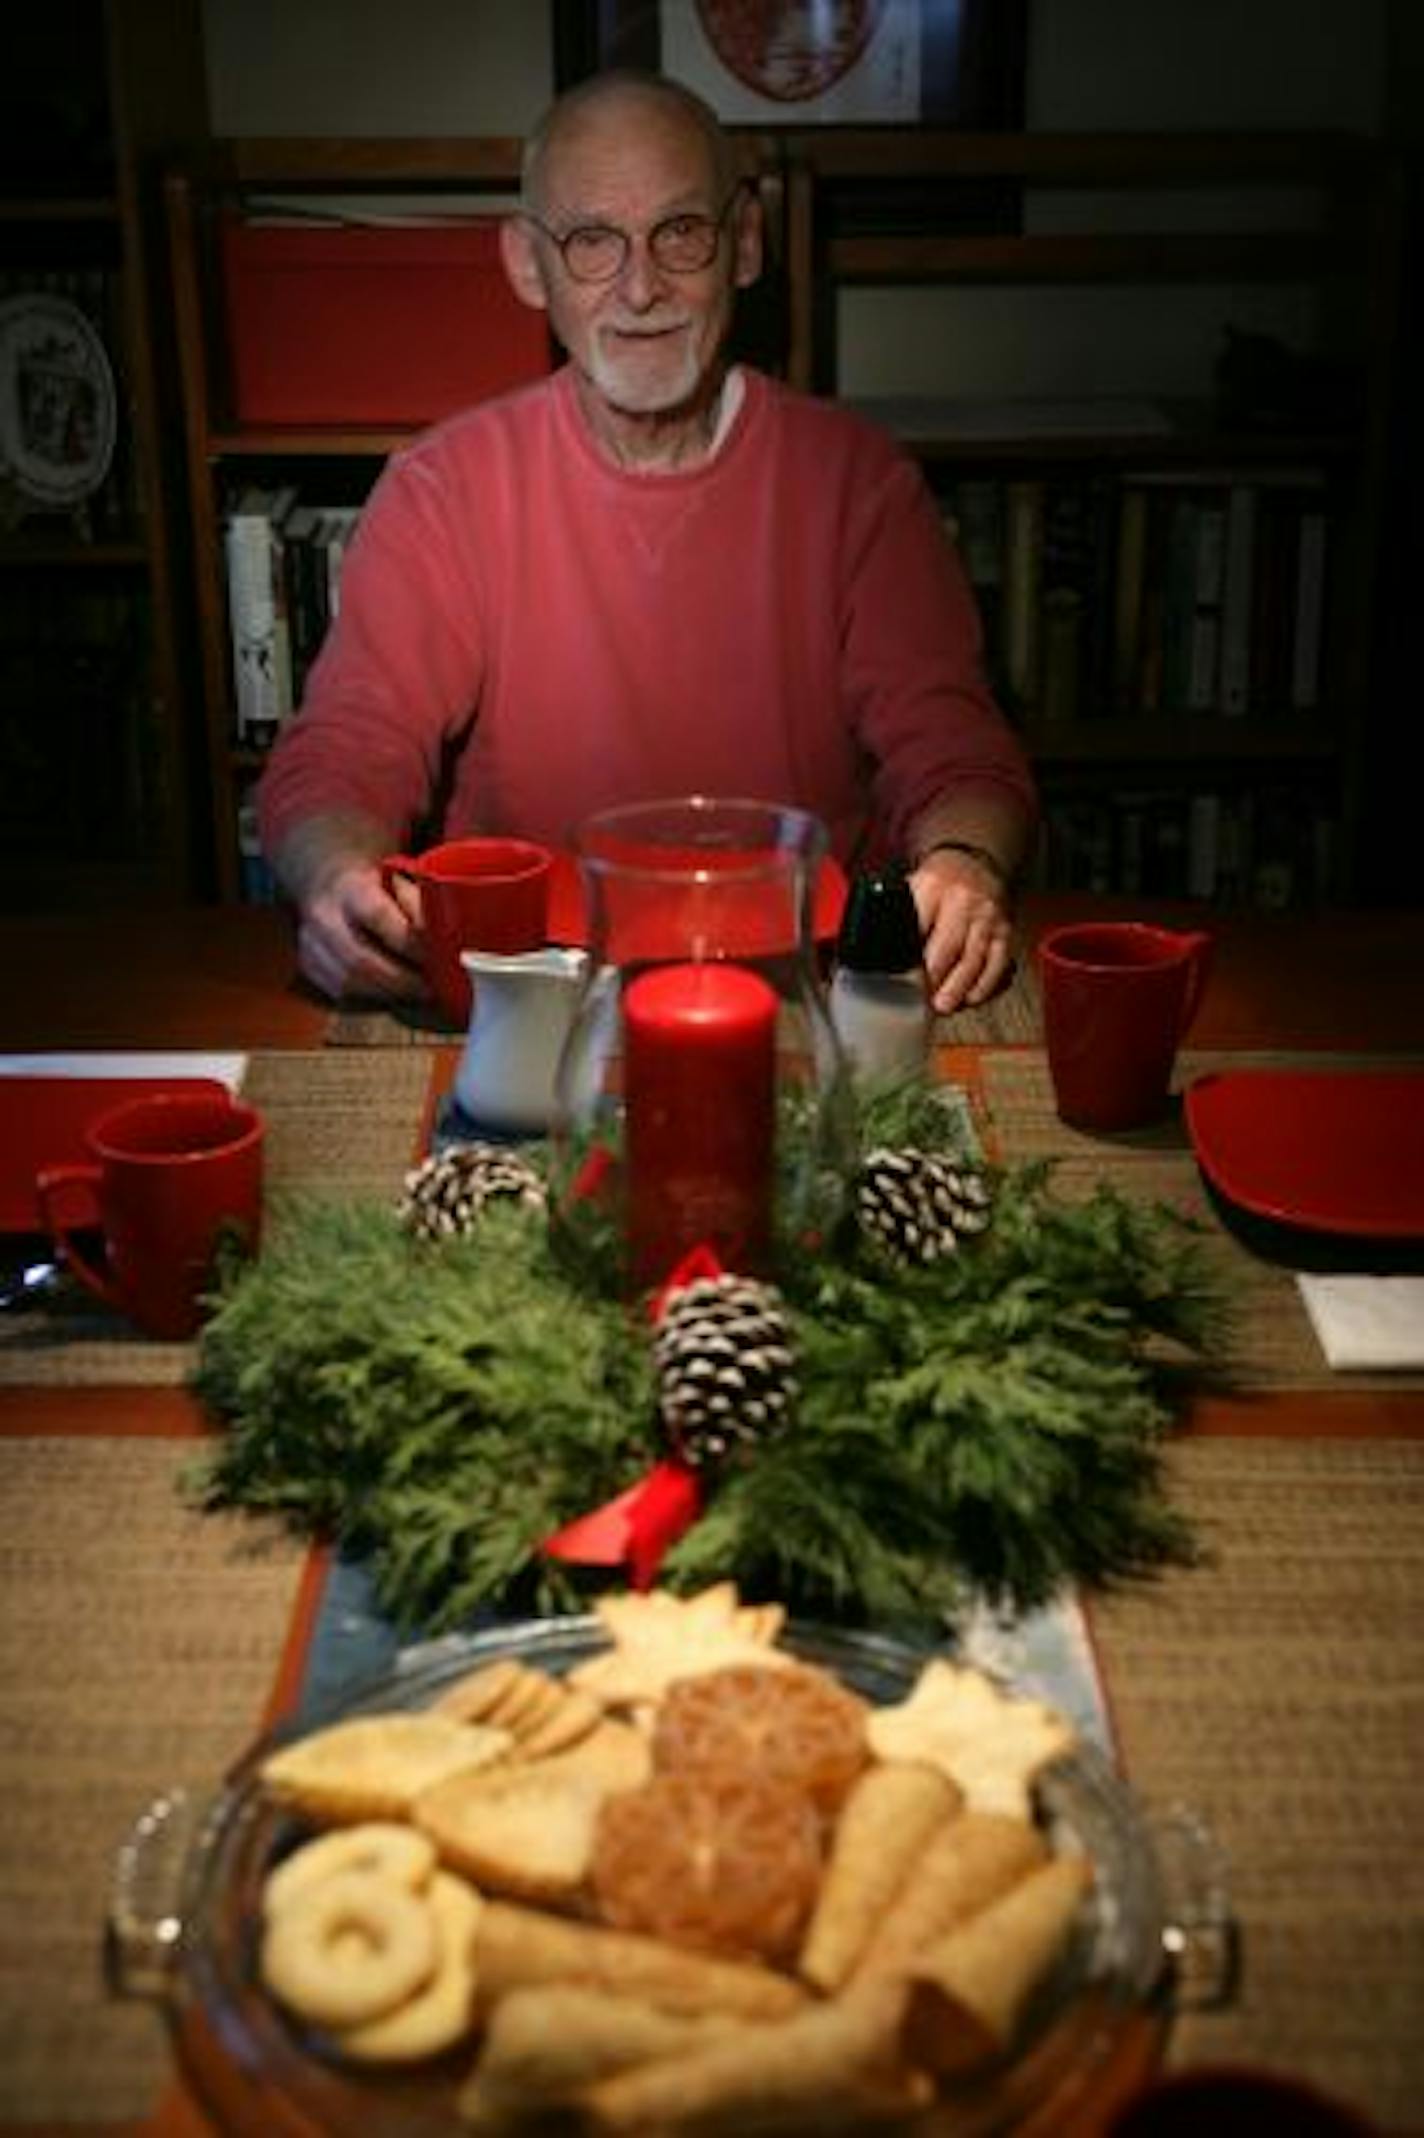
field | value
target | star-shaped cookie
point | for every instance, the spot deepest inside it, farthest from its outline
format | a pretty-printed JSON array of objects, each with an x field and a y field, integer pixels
[
  {"x": 659, "y": 1638},
  {"x": 991, "y": 1742}
]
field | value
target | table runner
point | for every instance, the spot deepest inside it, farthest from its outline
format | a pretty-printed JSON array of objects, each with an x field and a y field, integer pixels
[
  {"x": 340, "y": 1123},
  {"x": 1277, "y": 1347},
  {"x": 1280, "y": 1689}
]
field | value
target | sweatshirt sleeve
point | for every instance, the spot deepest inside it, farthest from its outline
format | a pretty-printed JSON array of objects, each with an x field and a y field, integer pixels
[
  {"x": 397, "y": 683},
  {"x": 914, "y": 659}
]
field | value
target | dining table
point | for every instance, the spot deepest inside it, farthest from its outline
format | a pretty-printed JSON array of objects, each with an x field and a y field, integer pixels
[{"x": 1270, "y": 1695}]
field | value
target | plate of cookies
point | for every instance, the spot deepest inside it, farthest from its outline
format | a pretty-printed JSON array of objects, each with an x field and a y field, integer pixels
[{"x": 683, "y": 1864}]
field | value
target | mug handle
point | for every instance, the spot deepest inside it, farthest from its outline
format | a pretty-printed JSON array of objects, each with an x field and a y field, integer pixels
[
  {"x": 1198, "y": 947},
  {"x": 54, "y": 1182}
]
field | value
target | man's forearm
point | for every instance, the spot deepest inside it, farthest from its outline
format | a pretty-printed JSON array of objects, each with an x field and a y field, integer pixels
[
  {"x": 988, "y": 827},
  {"x": 317, "y": 850}
]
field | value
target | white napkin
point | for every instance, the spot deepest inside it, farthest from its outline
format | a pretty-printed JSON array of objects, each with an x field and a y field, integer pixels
[
  {"x": 1367, "y": 1321},
  {"x": 228, "y": 1069}
]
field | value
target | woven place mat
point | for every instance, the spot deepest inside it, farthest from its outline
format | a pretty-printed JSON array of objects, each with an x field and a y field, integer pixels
[
  {"x": 138, "y": 1644},
  {"x": 336, "y": 1124},
  {"x": 389, "y": 1028},
  {"x": 1013, "y": 1018},
  {"x": 1276, "y": 1347},
  {"x": 1279, "y": 1692}
]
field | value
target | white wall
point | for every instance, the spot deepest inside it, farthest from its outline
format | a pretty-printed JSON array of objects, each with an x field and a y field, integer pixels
[
  {"x": 422, "y": 67},
  {"x": 1221, "y": 63}
]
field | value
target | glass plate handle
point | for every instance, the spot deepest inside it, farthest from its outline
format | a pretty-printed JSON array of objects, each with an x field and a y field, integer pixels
[
  {"x": 145, "y": 1923},
  {"x": 1200, "y": 1934}
]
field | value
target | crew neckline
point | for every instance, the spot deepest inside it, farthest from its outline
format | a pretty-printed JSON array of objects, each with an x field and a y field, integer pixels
[{"x": 736, "y": 398}]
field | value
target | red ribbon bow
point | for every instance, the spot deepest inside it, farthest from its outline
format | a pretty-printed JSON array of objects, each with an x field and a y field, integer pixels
[{"x": 640, "y": 1526}]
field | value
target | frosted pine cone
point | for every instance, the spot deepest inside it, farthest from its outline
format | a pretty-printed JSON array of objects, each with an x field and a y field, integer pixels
[
  {"x": 920, "y": 1204},
  {"x": 723, "y": 1355},
  {"x": 446, "y": 1194}
]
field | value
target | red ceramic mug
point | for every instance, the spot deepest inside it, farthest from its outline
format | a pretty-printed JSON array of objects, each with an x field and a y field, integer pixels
[
  {"x": 475, "y": 894},
  {"x": 1118, "y": 999},
  {"x": 174, "y": 1178}
]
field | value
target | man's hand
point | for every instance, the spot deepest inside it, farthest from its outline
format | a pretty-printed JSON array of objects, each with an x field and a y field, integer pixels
[
  {"x": 356, "y": 939},
  {"x": 968, "y": 946}
]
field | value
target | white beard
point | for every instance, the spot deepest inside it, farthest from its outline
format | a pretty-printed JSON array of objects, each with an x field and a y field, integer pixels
[{"x": 646, "y": 378}]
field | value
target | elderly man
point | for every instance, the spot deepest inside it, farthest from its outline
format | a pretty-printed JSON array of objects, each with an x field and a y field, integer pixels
[{"x": 652, "y": 574}]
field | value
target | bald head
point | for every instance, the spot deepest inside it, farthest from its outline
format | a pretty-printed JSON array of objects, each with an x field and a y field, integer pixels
[{"x": 608, "y": 106}]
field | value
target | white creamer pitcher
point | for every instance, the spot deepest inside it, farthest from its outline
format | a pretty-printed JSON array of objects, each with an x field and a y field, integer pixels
[{"x": 522, "y": 1007}]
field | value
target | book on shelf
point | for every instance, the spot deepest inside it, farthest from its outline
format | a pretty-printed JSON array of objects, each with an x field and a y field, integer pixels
[
  {"x": 1203, "y": 845},
  {"x": 258, "y": 620},
  {"x": 1312, "y": 535},
  {"x": 304, "y": 570},
  {"x": 1237, "y": 568},
  {"x": 974, "y": 521},
  {"x": 1075, "y": 589},
  {"x": 1023, "y": 574},
  {"x": 1207, "y": 569},
  {"x": 338, "y": 524},
  {"x": 1128, "y": 593}
]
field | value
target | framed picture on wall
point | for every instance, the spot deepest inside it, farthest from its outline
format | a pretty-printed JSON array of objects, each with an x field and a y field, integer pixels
[{"x": 783, "y": 63}]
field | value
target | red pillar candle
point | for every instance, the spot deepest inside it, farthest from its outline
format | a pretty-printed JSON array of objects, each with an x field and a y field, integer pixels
[{"x": 700, "y": 1100}]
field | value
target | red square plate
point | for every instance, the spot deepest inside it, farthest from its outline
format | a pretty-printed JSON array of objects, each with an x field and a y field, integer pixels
[
  {"x": 42, "y": 1122},
  {"x": 1331, "y": 1151}
]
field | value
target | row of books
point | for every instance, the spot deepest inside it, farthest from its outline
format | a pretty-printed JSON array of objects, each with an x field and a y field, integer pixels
[
  {"x": 283, "y": 556},
  {"x": 1150, "y": 593},
  {"x": 1270, "y": 849}
]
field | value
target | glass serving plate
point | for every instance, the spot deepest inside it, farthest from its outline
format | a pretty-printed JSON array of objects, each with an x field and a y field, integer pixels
[{"x": 183, "y": 1924}]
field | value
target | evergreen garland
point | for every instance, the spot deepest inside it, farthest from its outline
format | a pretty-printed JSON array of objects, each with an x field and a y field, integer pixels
[{"x": 992, "y": 1422}]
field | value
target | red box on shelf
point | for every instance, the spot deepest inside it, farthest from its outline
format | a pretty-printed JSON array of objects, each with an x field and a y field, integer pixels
[{"x": 369, "y": 324}]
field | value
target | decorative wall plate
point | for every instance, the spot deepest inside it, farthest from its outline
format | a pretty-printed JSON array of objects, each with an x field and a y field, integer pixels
[
  {"x": 789, "y": 51},
  {"x": 58, "y": 406}
]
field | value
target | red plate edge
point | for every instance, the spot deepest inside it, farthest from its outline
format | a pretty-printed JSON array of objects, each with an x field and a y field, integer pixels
[{"x": 1328, "y": 1151}]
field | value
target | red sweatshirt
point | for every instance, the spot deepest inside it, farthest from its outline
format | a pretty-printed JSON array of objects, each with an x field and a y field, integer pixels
[{"x": 527, "y": 634}]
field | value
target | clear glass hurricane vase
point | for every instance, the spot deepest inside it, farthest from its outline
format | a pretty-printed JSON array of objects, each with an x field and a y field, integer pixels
[{"x": 701, "y": 1100}]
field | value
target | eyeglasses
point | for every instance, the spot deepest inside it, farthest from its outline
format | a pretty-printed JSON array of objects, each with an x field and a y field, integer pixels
[{"x": 679, "y": 244}]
